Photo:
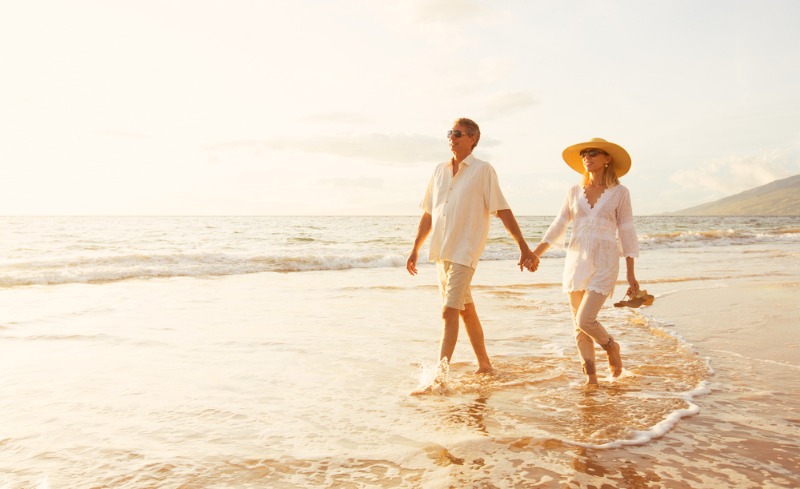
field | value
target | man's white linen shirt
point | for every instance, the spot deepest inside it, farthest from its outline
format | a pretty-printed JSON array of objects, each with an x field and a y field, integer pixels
[{"x": 460, "y": 206}]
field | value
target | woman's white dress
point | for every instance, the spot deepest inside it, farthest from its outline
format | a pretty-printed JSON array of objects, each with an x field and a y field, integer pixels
[{"x": 600, "y": 235}]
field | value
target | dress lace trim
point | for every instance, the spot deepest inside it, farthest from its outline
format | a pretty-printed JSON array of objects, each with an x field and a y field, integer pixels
[{"x": 599, "y": 197}]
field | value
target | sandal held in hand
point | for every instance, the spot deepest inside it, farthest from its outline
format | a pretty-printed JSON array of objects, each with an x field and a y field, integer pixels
[{"x": 641, "y": 298}]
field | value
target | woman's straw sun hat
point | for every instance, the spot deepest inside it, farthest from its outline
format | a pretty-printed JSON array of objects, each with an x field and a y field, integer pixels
[{"x": 620, "y": 157}]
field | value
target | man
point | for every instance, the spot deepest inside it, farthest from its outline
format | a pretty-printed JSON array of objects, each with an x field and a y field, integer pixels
[{"x": 460, "y": 196}]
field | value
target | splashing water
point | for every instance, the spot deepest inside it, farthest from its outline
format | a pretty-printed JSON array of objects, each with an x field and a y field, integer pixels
[{"x": 434, "y": 380}]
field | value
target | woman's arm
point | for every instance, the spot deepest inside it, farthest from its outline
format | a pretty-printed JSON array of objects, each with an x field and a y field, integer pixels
[
  {"x": 539, "y": 251},
  {"x": 633, "y": 288}
]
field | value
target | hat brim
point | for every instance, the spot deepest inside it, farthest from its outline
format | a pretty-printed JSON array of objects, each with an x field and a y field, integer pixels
[{"x": 620, "y": 157}]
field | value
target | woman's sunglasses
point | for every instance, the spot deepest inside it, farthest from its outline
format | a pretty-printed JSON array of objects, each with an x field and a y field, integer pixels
[{"x": 591, "y": 153}]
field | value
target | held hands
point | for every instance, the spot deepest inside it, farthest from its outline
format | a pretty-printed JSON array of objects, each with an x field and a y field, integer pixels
[{"x": 528, "y": 260}]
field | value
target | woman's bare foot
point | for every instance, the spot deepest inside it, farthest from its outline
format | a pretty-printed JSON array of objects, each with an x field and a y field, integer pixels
[
  {"x": 614, "y": 357},
  {"x": 591, "y": 373}
]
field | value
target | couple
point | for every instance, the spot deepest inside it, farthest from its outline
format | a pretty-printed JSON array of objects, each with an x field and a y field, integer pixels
[{"x": 464, "y": 191}]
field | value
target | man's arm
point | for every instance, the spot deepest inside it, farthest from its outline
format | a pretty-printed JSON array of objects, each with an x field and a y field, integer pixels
[
  {"x": 526, "y": 258},
  {"x": 422, "y": 233}
]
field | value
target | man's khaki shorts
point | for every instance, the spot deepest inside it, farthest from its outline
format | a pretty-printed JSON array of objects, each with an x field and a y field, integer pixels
[{"x": 454, "y": 282}]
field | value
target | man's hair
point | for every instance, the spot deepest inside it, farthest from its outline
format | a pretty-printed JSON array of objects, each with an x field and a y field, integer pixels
[{"x": 472, "y": 128}]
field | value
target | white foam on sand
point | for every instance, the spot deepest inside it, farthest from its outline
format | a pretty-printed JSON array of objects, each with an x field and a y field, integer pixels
[{"x": 641, "y": 437}]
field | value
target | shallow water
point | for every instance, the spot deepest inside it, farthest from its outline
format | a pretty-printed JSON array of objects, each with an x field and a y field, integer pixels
[{"x": 303, "y": 380}]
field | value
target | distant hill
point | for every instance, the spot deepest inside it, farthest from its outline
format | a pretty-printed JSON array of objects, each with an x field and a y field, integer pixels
[{"x": 779, "y": 198}]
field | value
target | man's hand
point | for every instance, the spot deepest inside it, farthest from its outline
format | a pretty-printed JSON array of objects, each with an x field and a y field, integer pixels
[
  {"x": 422, "y": 233},
  {"x": 411, "y": 263}
]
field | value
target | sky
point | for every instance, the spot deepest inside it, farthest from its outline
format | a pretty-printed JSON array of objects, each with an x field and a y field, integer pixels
[{"x": 341, "y": 107}]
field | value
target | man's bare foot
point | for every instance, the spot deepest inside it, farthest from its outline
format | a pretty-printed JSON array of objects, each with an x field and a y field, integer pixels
[
  {"x": 439, "y": 383},
  {"x": 591, "y": 379},
  {"x": 614, "y": 357},
  {"x": 422, "y": 391},
  {"x": 485, "y": 370}
]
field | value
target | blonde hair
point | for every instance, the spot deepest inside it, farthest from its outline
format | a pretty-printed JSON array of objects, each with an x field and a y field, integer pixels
[
  {"x": 610, "y": 178},
  {"x": 472, "y": 128}
]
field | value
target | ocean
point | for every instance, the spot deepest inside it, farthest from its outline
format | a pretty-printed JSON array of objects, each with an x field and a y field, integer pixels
[{"x": 280, "y": 352}]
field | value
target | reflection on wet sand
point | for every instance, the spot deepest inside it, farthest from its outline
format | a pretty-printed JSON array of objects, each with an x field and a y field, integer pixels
[
  {"x": 525, "y": 393},
  {"x": 471, "y": 414}
]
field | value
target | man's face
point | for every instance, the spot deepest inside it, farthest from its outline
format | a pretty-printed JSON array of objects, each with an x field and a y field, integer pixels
[{"x": 461, "y": 144}]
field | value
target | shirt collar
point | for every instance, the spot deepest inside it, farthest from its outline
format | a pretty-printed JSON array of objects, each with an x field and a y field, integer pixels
[{"x": 467, "y": 161}]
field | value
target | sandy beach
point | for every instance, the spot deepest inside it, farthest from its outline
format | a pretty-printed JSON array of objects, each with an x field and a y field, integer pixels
[
  {"x": 747, "y": 329},
  {"x": 157, "y": 373},
  {"x": 745, "y": 431}
]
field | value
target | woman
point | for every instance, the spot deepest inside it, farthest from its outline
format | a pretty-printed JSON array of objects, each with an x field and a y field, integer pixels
[{"x": 602, "y": 225}]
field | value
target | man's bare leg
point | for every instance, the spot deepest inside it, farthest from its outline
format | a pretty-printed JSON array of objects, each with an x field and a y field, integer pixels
[
  {"x": 449, "y": 333},
  {"x": 475, "y": 332}
]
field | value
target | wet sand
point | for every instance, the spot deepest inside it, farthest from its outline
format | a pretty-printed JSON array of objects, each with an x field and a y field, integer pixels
[
  {"x": 302, "y": 380},
  {"x": 748, "y": 426}
]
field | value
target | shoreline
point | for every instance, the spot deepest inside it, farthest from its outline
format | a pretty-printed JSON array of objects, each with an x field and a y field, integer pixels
[
  {"x": 752, "y": 319},
  {"x": 746, "y": 330},
  {"x": 741, "y": 320},
  {"x": 207, "y": 358}
]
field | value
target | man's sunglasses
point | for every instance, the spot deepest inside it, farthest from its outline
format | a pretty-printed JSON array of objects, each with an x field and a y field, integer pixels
[
  {"x": 591, "y": 153},
  {"x": 456, "y": 134}
]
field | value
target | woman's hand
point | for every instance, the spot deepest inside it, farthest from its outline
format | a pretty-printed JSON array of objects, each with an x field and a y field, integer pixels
[
  {"x": 633, "y": 284},
  {"x": 633, "y": 288}
]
